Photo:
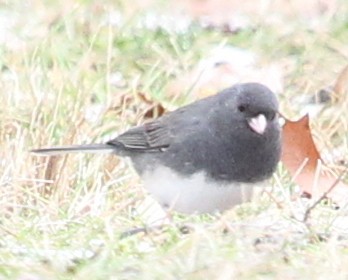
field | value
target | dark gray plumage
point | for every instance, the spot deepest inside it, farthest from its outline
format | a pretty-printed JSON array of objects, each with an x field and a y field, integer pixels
[{"x": 226, "y": 141}]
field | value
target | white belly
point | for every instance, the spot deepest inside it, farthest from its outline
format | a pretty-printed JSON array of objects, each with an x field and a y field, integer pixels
[{"x": 194, "y": 194}]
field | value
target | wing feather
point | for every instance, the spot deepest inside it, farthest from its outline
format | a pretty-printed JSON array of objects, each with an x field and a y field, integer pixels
[{"x": 152, "y": 136}]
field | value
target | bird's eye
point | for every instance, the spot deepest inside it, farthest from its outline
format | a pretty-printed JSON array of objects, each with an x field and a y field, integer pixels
[
  {"x": 241, "y": 108},
  {"x": 271, "y": 116}
]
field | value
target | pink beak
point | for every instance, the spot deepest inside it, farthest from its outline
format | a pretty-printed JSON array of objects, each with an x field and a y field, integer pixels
[{"x": 258, "y": 123}]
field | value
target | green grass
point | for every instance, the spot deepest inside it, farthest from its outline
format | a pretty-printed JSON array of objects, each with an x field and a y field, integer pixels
[{"x": 66, "y": 75}]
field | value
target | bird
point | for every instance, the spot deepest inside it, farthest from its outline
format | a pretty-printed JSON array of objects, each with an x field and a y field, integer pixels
[{"x": 205, "y": 157}]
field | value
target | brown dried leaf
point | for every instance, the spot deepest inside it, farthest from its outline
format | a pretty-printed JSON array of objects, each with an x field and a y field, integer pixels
[
  {"x": 302, "y": 159},
  {"x": 140, "y": 104},
  {"x": 155, "y": 109}
]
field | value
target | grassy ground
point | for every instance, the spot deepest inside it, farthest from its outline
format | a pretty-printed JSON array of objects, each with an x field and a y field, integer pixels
[{"x": 70, "y": 73}]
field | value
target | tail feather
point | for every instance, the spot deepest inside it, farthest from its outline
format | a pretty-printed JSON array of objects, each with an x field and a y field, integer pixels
[{"x": 89, "y": 148}]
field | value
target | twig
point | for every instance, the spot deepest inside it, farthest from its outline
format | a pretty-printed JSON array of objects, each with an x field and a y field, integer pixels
[{"x": 323, "y": 196}]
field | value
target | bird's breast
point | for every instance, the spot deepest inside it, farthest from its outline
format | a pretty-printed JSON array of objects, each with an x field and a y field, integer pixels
[{"x": 193, "y": 193}]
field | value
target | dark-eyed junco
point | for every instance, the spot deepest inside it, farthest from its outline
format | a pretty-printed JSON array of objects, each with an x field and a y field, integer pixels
[{"x": 206, "y": 156}]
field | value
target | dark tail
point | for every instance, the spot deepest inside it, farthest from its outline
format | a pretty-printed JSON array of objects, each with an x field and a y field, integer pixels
[{"x": 91, "y": 148}]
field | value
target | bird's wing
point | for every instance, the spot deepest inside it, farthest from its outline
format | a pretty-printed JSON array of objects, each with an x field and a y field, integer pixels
[
  {"x": 162, "y": 132},
  {"x": 152, "y": 136}
]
